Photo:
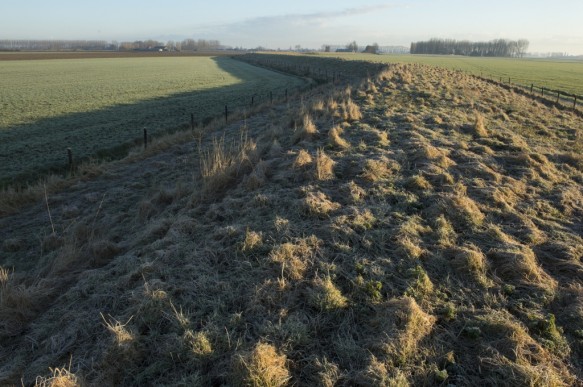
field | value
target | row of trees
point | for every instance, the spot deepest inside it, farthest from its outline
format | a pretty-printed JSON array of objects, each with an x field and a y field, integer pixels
[
  {"x": 56, "y": 45},
  {"x": 498, "y": 47},
  {"x": 99, "y": 45}
]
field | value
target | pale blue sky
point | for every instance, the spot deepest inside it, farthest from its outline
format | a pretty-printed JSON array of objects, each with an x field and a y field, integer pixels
[{"x": 549, "y": 25}]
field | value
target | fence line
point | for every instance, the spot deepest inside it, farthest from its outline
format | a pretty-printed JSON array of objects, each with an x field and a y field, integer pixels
[
  {"x": 232, "y": 106},
  {"x": 550, "y": 96},
  {"x": 568, "y": 99}
]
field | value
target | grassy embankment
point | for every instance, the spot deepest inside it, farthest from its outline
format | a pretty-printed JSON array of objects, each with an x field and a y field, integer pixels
[
  {"x": 99, "y": 107},
  {"x": 562, "y": 75},
  {"x": 418, "y": 227}
]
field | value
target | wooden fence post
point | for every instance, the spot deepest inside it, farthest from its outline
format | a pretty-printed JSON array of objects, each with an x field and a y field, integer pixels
[
  {"x": 252, "y": 99},
  {"x": 558, "y": 96},
  {"x": 531, "y": 87},
  {"x": 145, "y": 138},
  {"x": 575, "y": 103},
  {"x": 70, "y": 156},
  {"x": 542, "y": 91}
]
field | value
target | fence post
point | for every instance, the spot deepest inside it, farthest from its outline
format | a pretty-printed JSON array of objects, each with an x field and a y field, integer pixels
[
  {"x": 531, "y": 87},
  {"x": 145, "y": 138},
  {"x": 575, "y": 103},
  {"x": 558, "y": 96},
  {"x": 191, "y": 121},
  {"x": 226, "y": 113},
  {"x": 70, "y": 156},
  {"x": 252, "y": 99},
  {"x": 542, "y": 91}
]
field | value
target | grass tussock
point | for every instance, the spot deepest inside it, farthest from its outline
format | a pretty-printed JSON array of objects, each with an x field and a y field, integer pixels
[
  {"x": 325, "y": 296},
  {"x": 375, "y": 170},
  {"x": 336, "y": 140},
  {"x": 479, "y": 127},
  {"x": 324, "y": 166},
  {"x": 263, "y": 366},
  {"x": 296, "y": 257},
  {"x": 61, "y": 377},
  {"x": 224, "y": 162},
  {"x": 307, "y": 132},
  {"x": 317, "y": 204},
  {"x": 351, "y": 111}
]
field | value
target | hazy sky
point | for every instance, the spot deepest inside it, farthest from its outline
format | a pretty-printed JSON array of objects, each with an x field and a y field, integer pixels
[{"x": 549, "y": 25}]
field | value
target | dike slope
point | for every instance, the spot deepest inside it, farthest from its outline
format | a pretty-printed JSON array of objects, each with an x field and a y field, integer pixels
[{"x": 417, "y": 227}]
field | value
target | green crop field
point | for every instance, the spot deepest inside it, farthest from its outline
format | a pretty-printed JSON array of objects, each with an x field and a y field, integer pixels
[
  {"x": 565, "y": 75},
  {"x": 95, "y": 106}
]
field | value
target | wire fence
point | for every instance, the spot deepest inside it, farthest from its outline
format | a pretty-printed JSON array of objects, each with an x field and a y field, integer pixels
[{"x": 547, "y": 95}]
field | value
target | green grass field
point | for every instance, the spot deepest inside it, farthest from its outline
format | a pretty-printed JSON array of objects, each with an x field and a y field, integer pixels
[
  {"x": 96, "y": 105},
  {"x": 554, "y": 74}
]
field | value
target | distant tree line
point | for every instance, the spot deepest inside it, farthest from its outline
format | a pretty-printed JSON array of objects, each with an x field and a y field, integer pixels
[
  {"x": 498, "y": 47},
  {"x": 185, "y": 45},
  {"x": 100, "y": 45},
  {"x": 55, "y": 45}
]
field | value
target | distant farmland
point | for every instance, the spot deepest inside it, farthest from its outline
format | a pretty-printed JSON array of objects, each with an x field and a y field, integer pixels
[
  {"x": 563, "y": 75},
  {"x": 97, "y": 105}
]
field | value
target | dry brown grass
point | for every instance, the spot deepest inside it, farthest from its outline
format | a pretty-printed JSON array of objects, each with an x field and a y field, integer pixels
[
  {"x": 435, "y": 257},
  {"x": 295, "y": 258},
  {"x": 263, "y": 366},
  {"x": 375, "y": 170},
  {"x": 479, "y": 127},
  {"x": 336, "y": 140},
  {"x": 325, "y": 296},
  {"x": 307, "y": 132},
  {"x": 324, "y": 166},
  {"x": 224, "y": 162},
  {"x": 318, "y": 204}
]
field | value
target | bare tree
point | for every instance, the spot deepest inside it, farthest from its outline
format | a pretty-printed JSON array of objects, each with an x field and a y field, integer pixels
[{"x": 352, "y": 46}]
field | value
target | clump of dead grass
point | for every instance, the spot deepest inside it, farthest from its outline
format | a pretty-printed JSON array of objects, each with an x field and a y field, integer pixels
[
  {"x": 307, "y": 132},
  {"x": 295, "y": 257},
  {"x": 263, "y": 366},
  {"x": 318, "y": 204},
  {"x": 375, "y": 170},
  {"x": 479, "y": 127},
  {"x": 324, "y": 166},
  {"x": 470, "y": 260},
  {"x": 350, "y": 111},
  {"x": 407, "y": 325},
  {"x": 517, "y": 263},
  {"x": 61, "y": 377},
  {"x": 325, "y": 296},
  {"x": 223, "y": 162},
  {"x": 336, "y": 140}
]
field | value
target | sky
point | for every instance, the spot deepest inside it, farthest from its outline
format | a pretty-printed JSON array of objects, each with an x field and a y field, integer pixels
[{"x": 550, "y": 26}]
